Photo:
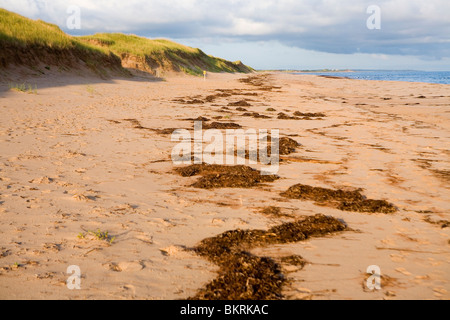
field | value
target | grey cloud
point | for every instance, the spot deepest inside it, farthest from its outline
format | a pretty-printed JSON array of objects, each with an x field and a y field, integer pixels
[{"x": 413, "y": 27}]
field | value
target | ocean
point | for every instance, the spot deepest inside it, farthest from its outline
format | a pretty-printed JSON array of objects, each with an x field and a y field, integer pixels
[{"x": 441, "y": 77}]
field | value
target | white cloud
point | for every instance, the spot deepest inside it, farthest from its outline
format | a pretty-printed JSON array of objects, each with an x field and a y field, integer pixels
[
  {"x": 336, "y": 26},
  {"x": 242, "y": 26},
  {"x": 379, "y": 56}
]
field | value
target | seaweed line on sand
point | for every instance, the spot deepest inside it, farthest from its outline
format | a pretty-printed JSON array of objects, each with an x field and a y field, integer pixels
[
  {"x": 221, "y": 176},
  {"x": 244, "y": 276},
  {"x": 340, "y": 199}
]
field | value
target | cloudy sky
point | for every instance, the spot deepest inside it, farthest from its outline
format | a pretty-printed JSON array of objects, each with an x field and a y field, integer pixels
[{"x": 274, "y": 34}]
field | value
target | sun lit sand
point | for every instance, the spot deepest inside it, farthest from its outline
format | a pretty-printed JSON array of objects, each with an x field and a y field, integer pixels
[{"x": 86, "y": 179}]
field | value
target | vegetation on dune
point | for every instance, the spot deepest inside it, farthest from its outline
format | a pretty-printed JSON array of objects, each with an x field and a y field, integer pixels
[
  {"x": 29, "y": 42},
  {"x": 163, "y": 54},
  {"x": 18, "y": 30},
  {"x": 135, "y": 45},
  {"x": 23, "y": 87}
]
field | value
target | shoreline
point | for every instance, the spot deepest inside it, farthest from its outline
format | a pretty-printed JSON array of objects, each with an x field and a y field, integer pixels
[
  {"x": 330, "y": 74},
  {"x": 81, "y": 157}
]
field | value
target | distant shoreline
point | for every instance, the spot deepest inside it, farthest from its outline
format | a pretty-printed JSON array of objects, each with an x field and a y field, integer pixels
[
  {"x": 307, "y": 71},
  {"x": 433, "y": 77}
]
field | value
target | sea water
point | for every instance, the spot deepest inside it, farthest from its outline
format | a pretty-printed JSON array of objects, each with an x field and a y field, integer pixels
[{"x": 441, "y": 77}]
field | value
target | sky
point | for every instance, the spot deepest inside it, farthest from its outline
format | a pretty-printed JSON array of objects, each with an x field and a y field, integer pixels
[{"x": 273, "y": 34}]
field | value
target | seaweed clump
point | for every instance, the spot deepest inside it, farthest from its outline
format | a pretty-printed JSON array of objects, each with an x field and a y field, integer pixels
[
  {"x": 442, "y": 223},
  {"x": 309, "y": 114},
  {"x": 274, "y": 212},
  {"x": 340, "y": 199},
  {"x": 222, "y": 125},
  {"x": 220, "y": 176},
  {"x": 240, "y": 103},
  {"x": 301, "y": 116},
  {"x": 288, "y": 146},
  {"x": 255, "y": 115},
  {"x": 137, "y": 125},
  {"x": 244, "y": 276}
]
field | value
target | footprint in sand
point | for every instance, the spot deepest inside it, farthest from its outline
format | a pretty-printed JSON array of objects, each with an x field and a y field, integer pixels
[
  {"x": 4, "y": 252},
  {"x": 42, "y": 180},
  {"x": 113, "y": 267},
  {"x": 124, "y": 209},
  {"x": 397, "y": 257},
  {"x": 53, "y": 247},
  {"x": 83, "y": 198},
  {"x": 145, "y": 238},
  {"x": 72, "y": 154},
  {"x": 218, "y": 222},
  {"x": 403, "y": 271},
  {"x": 125, "y": 266},
  {"x": 129, "y": 288},
  {"x": 131, "y": 266},
  {"x": 172, "y": 250},
  {"x": 439, "y": 292}
]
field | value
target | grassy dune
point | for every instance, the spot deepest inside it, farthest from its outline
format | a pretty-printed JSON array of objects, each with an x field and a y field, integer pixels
[
  {"x": 18, "y": 30},
  {"x": 162, "y": 54},
  {"x": 30, "y": 43}
]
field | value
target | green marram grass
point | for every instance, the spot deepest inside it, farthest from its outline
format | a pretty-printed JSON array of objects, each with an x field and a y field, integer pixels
[
  {"x": 27, "y": 42},
  {"x": 138, "y": 46},
  {"x": 20, "y": 32},
  {"x": 98, "y": 235},
  {"x": 23, "y": 87},
  {"x": 189, "y": 60}
]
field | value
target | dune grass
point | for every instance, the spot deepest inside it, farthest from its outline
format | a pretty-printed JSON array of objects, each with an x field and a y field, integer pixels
[
  {"x": 132, "y": 44},
  {"x": 23, "y": 87},
  {"x": 102, "y": 50},
  {"x": 164, "y": 52},
  {"x": 21, "y": 31},
  {"x": 28, "y": 42}
]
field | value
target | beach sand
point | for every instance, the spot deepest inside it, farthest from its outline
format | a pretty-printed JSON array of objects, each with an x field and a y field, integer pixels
[{"x": 86, "y": 179}]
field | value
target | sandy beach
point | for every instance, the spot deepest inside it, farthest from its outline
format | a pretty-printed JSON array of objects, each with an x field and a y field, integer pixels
[{"x": 86, "y": 179}]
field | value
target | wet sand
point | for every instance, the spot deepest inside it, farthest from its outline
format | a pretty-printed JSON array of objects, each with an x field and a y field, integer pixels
[{"x": 86, "y": 179}]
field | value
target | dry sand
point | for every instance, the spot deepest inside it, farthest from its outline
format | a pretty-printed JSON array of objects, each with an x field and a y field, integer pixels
[{"x": 76, "y": 158}]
